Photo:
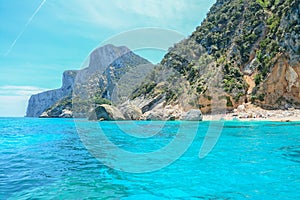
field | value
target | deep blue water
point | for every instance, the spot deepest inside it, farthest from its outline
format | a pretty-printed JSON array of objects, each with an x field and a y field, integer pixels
[{"x": 47, "y": 159}]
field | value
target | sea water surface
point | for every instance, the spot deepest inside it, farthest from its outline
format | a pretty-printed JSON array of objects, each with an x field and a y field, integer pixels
[{"x": 46, "y": 159}]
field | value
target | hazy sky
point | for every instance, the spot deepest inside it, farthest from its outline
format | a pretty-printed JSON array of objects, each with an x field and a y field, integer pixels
[{"x": 39, "y": 39}]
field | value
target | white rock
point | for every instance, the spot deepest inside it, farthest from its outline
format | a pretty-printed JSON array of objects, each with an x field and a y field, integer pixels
[{"x": 241, "y": 108}]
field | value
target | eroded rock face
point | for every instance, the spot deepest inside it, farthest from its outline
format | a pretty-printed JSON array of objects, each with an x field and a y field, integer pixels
[
  {"x": 282, "y": 86},
  {"x": 38, "y": 103},
  {"x": 292, "y": 78},
  {"x": 147, "y": 104},
  {"x": 101, "y": 57},
  {"x": 106, "y": 112}
]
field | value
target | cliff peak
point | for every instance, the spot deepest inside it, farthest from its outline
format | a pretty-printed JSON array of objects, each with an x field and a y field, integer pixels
[{"x": 101, "y": 57}]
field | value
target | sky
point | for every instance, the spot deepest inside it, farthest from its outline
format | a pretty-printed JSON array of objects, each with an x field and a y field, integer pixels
[{"x": 39, "y": 39}]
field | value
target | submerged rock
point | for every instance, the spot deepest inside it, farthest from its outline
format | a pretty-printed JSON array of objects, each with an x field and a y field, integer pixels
[{"x": 106, "y": 112}]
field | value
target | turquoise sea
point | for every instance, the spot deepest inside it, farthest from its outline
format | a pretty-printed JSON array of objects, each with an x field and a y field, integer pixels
[{"x": 47, "y": 159}]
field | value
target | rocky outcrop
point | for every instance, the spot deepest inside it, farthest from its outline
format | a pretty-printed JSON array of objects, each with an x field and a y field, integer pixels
[
  {"x": 61, "y": 109},
  {"x": 130, "y": 111},
  {"x": 106, "y": 112},
  {"x": 171, "y": 113},
  {"x": 193, "y": 115},
  {"x": 106, "y": 65},
  {"x": 64, "y": 113},
  {"x": 38, "y": 103},
  {"x": 154, "y": 115},
  {"x": 147, "y": 104},
  {"x": 282, "y": 87},
  {"x": 162, "y": 112}
]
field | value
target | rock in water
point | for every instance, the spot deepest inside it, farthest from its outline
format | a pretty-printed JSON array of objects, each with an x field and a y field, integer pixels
[
  {"x": 193, "y": 115},
  {"x": 106, "y": 112}
]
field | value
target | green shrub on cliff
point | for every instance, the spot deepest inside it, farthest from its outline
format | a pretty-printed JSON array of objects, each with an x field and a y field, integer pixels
[{"x": 232, "y": 35}]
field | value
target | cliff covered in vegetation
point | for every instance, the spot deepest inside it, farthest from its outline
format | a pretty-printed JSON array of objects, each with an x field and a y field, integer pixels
[
  {"x": 256, "y": 45},
  {"x": 247, "y": 49},
  {"x": 253, "y": 45}
]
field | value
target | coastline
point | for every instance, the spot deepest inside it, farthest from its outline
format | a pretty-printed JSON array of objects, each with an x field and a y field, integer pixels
[{"x": 249, "y": 112}]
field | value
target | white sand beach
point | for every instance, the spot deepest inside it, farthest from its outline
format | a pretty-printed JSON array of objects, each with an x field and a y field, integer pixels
[{"x": 250, "y": 112}]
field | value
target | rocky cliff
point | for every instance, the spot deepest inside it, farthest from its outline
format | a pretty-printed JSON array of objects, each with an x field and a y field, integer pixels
[
  {"x": 92, "y": 80},
  {"x": 245, "y": 51},
  {"x": 38, "y": 103},
  {"x": 248, "y": 49}
]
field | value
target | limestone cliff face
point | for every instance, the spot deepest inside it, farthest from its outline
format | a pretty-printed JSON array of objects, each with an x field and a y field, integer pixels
[
  {"x": 106, "y": 66},
  {"x": 101, "y": 57},
  {"x": 122, "y": 75},
  {"x": 99, "y": 60},
  {"x": 282, "y": 87},
  {"x": 38, "y": 103}
]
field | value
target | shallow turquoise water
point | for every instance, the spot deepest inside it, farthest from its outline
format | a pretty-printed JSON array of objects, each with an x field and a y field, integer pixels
[{"x": 45, "y": 159}]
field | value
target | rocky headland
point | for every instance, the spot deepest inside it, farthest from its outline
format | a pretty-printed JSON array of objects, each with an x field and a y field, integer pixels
[{"x": 242, "y": 61}]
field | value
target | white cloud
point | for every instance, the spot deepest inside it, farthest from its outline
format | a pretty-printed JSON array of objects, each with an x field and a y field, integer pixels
[
  {"x": 13, "y": 106},
  {"x": 14, "y": 99},
  {"x": 93, "y": 12},
  {"x": 20, "y": 90}
]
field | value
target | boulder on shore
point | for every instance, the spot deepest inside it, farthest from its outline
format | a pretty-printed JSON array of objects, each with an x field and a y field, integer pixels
[
  {"x": 153, "y": 115},
  {"x": 131, "y": 112},
  {"x": 193, "y": 115},
  {"x": 106, "y": 112}
]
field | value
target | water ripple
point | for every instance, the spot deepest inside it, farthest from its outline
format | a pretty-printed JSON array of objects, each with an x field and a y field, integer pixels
[{"x": 45, "y": 159}]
